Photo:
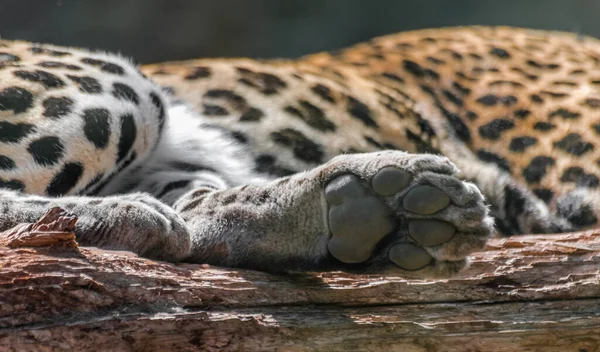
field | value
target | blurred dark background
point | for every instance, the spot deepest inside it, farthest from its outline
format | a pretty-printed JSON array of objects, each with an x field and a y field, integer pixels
[{"x": 155, "y": 30}]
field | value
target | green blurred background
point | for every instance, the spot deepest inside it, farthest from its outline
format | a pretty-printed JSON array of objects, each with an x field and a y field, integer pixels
[{"x": 155, "y": 30}]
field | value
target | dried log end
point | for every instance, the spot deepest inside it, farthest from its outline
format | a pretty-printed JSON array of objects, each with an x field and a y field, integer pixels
[{"x": 55, "y": 228}]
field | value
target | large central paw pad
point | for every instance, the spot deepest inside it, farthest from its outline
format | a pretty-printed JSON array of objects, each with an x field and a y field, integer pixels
[{"x": 429, "y": 220}]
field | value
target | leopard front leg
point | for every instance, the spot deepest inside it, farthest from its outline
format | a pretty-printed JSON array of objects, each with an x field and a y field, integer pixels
[
  {"x": 133, "y": 222},
  {"x": 374, "y": 212}
]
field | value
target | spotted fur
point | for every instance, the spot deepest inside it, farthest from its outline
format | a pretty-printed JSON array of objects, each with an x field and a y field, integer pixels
[{"x": 516, "y": 110}]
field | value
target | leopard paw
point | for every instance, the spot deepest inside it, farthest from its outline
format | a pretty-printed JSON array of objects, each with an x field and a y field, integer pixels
[
  {"x": 134, "y": 222},
  {"x": 407, "y": 212}
]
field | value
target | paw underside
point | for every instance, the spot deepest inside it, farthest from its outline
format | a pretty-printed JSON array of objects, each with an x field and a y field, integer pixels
[{"x": 421, "y": 222}]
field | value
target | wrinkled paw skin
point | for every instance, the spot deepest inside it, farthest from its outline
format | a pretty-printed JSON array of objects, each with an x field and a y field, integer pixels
[{"x": 408, "y": 217}]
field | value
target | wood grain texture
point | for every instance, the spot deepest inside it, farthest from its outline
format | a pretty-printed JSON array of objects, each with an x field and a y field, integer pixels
[{"x": 525, "y": 293}]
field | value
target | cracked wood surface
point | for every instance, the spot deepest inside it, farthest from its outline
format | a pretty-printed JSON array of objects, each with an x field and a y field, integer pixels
[{"x": 525, "y": 293}]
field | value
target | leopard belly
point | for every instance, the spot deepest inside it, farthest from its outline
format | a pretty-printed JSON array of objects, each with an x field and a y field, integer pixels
[
  {"x": 206, "y": 150},
  {"x": 515, "y": 109}
]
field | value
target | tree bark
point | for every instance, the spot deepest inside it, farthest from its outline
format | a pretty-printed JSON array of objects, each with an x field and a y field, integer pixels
[{"x": 524, "y": 293}]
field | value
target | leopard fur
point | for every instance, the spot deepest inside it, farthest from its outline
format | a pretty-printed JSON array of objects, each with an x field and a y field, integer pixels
[
  {"x": 517, "y": 110},
  {"x": 250, "y": 158}
]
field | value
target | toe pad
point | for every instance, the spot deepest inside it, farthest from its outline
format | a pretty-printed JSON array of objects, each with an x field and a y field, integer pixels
[
  {"x": 409, "y": 256},
  {"x": 390, "y": 181},
  {"x": 425, "y": 200},
  {"x": 431, "y": 232}
]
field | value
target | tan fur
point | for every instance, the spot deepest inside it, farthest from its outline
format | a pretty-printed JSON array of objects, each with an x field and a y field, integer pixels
[
  {"x": 457, "y": 55},
  {"x": 476, "y": 95}
]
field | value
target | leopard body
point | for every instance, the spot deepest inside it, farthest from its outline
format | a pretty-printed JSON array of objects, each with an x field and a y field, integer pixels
[{"x": 243, "y": 154}]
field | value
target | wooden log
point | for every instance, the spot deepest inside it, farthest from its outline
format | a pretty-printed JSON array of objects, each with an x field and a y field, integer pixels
[{"x": 524, "y": 293}]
